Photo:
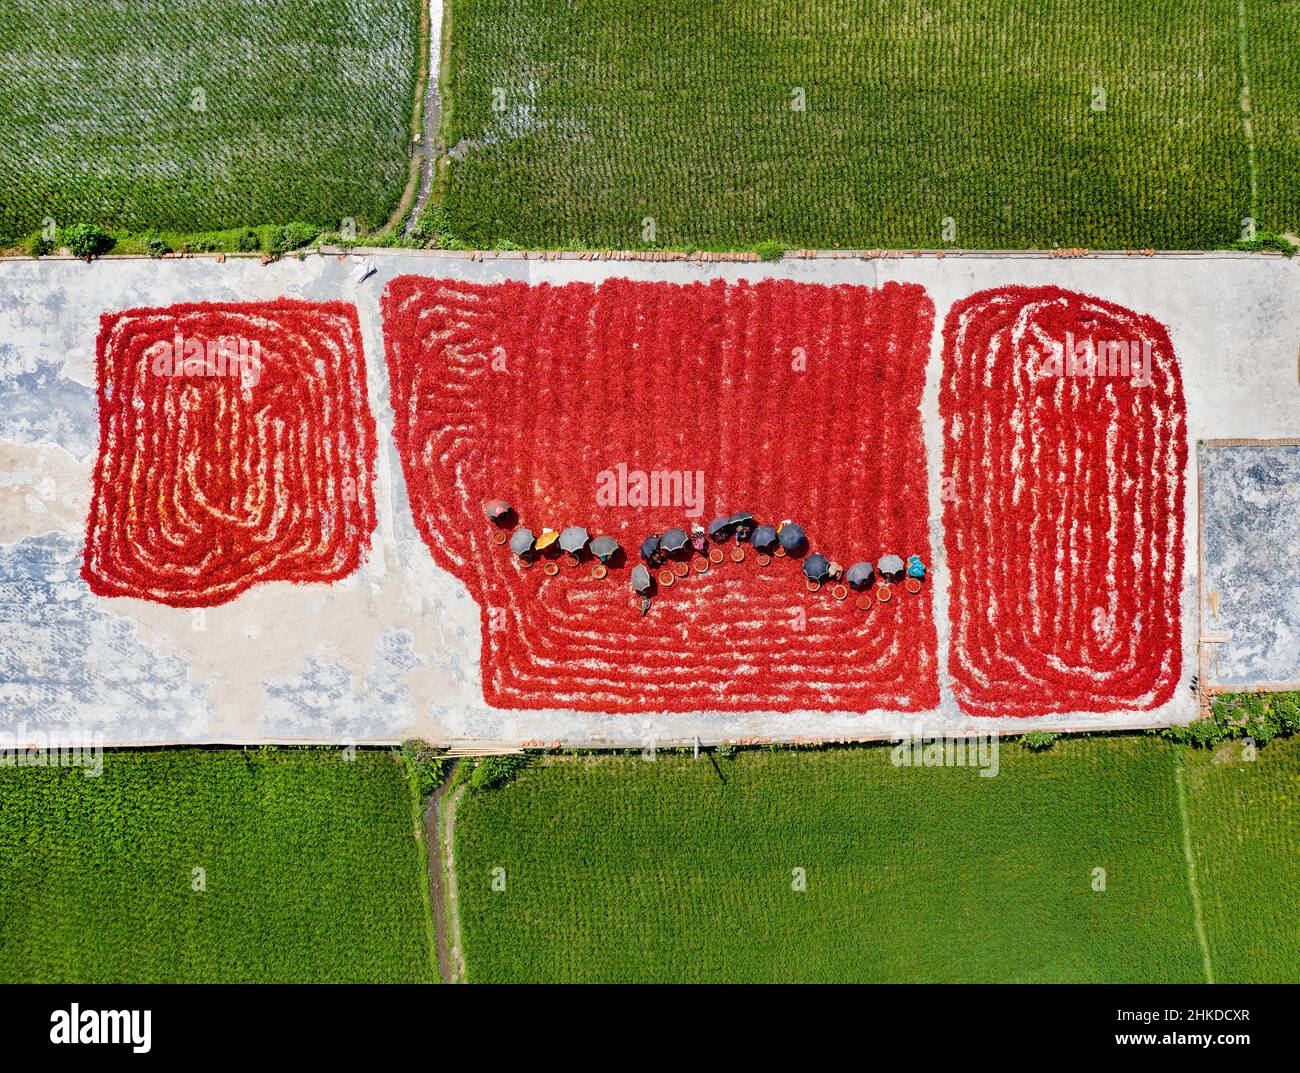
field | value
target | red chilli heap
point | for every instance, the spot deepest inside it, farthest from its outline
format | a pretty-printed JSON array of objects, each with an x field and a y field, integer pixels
[
  {"x": 236, "y": 446},
  {"x": 1065, "y": 448},
  {"x": 785, "y": 399}
]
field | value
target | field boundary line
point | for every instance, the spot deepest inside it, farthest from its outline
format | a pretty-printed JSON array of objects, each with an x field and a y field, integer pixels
[
  {"x": 673, "y": 256},
  {"x": 746, "y": 257},
  {"x": 1197, "y": 918},
  {"x": 1247, "y": 125},
  {"x": 905, "y": 728}
]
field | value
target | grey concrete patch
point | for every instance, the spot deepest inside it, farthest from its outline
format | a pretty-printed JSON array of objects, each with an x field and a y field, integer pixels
[
  {"x": 1250, "y": 543},
  {"x": 394, "y": 650},
  {"x": 69, "y": 664}
]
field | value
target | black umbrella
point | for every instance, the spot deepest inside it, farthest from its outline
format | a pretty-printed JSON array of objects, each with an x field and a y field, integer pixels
[
  {"x": 792, "y": 538},
  {"x": 650, "y": 549},
  {"x": 891, "y": 566},
  {"x": 859, "y": 576},
  {"x": 764, "y": 538},
  {"x": 674, "y": 541},
  {"x": 743, "y": 524},
  {"x": 720, "y": 530},
  {"x": 642, "y": 582},
  {"x": 498, "y": 510},
  {"x": 816, "y": 567},
  {"x": 574, "y": 539},
  {"x": 521, "y": 542},
  {"x": 604, "y": 548}
]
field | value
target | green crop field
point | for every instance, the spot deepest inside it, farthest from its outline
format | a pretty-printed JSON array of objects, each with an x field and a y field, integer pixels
[
  {"x": 311, "y": 867},
  {"x": 1245, "y": 824},
  {"x": 822, "y": 123},
  {"x": 618, "y": 869},
  {"x": 1273, "y": 63},
  {"x": 204, "y": 114}
]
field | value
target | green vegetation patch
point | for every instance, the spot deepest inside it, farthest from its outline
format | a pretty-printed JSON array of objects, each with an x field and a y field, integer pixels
[
  {"x": 619, "y": 869},
  {"x": 1244, "y": 816},
  {"x": 201, "y": 115},
  {"x": 913, "y": 123},
  {"x": 1272, "y": 30},
  {"x": 310, "y": 865}
]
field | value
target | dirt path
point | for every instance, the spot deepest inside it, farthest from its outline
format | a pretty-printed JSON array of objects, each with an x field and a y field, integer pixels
[
  {"x": 425, "y": 152},
  {"x": 431, "y": 150},
  {"x": 439, "y": 828},
  {"x": 432, "y": 848},
  {"x": 456, "y": 955}
]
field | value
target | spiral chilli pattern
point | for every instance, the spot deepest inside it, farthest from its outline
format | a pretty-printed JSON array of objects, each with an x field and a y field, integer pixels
[
  {"x": 662, "y": 376},
  {"x": 205, "y": 486},
  {"x": 1064, "y": 532}
]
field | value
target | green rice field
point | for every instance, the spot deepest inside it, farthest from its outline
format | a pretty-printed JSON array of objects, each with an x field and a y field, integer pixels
[
  {"x": 681, "y": 870},
  {"x": 912, "y": 123},
  {"x": 311, "y": 870},
  {"x": 618, "y": 869},
  {"x": 1245, "y": 826},
  {"x": 204, "y": 114},
  {"x": 889, "y": 123}
]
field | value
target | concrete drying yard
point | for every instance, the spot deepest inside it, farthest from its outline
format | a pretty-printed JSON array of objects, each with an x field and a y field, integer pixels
[
  {"x": 393, "y": 651},
  {"x": 1250, "y": 534}
]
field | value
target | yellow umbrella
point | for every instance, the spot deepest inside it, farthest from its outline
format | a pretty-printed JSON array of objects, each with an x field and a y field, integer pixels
[{"x": 548, "y": 537}]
